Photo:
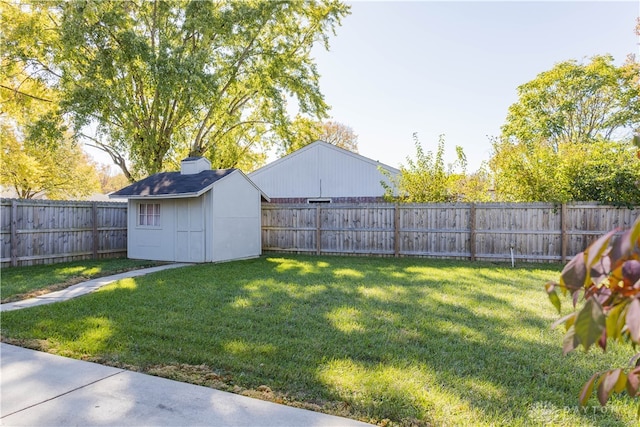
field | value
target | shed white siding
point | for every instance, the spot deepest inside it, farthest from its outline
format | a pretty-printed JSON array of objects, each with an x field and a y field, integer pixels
[
  {"x": 321, "y": 170},
  {"x": 236, "y": 212},
  {"x": 221, "y": 224},
  {"x": 155, "y": 243},
  {"x": 190, "y": 229}
]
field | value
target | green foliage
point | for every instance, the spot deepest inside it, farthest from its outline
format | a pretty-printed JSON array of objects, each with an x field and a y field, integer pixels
[
  {"x": 428, "y": 179},
  {"x": 166, "y": 79},
  {"x": 304, "y": 131},
  {"x": 607, "y": 275},
  {"x": 109, "y": 182},
  {"x": 577, "y": 103},
  {"x": 61, "y": 171},
  {"x": 603, "y": 171},
  {"x": 37, "y": 156},
  {"x": 527, "y": 173},
  {"x": 568, "y": 136}
]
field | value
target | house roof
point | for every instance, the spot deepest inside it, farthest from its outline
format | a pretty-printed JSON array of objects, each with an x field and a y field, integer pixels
[
  {"x": 326, "y": 145},
  {"x": 172, "y": 185}
]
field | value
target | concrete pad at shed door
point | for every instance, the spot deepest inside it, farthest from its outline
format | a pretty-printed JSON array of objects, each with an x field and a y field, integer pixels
[{"x": 43, "y": 389}]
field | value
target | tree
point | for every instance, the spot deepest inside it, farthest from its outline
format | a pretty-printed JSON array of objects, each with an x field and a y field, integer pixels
[
  {"x": 473, "y": 187},
  {"x": 607, "y": 277},
  {"x": 577, "y": 103},
  {"x": 527, "y": 173},
  {"x": 428, "y": 179},
  {"x": 304, "y": 131},
  {"x": 61, "y": 172},
  {"x": 339, "y": 135},
  {"x": 601, "y": 171},
  {"x": 160, "y": 79},
  {"x": 37, "y": 156},
  {"x": 568, "y": 138},
  {"x": 604, "y": 171},
  {"x": 109, "y": 182}
]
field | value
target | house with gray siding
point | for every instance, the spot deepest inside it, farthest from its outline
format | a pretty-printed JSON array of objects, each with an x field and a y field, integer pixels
[{"x": 323, "y": 173}]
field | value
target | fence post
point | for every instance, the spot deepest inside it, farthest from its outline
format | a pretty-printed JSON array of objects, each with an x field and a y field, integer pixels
[
  {"x": 94, "y": 232},
  {"x": 563, "y": 233},
  {"x": 396, "y": 230},
  {"x": 318, "y": 243},
  {"x": 14, "y": 233},
  {"x": 472, "y": 231}
]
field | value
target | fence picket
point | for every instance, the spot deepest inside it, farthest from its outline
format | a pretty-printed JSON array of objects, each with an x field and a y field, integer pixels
[
  {"x": 47, "y": 231},
  {"x": 489, "y": 231},
  {"x": 43, "y": 231}
]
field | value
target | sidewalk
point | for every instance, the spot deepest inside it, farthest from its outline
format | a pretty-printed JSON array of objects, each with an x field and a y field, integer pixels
[
  {"x": 83, "y": 288},
  {"x": 41, "y": 389}
]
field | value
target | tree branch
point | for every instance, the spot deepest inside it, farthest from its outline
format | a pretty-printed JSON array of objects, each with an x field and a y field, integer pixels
[
  {"x": 117, "y": 158},
  {"x": 18, "y": 92}
]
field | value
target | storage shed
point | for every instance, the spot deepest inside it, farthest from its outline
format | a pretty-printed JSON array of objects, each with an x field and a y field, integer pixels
[
  {"x": 195, "y": 215},
  {"x": 322, "y": 173}
]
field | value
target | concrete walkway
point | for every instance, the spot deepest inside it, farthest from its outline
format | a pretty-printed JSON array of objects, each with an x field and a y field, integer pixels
[
  {"x": 83, "y": 288},
  {"x": 41, "y": 389}
]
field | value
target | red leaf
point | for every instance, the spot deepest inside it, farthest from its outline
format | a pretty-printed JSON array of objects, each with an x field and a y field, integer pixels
[
  {"x": 607, "y": 384},
  {"x": 600, "y": 270},
  {"x": 602, "y": 342},
  {"x": 633, "y": 382},
  {"x": 570, "y": 342},
  {"x": 587, "y": 389},
  {"x": 562, "y": 320},
  {"x": 633, "y": 320},
  {"x": 575, "y": 299},
  {"x": 631, "y": 272},
  {"x": 596, "y": 250},
  {"x": 574, "y": 274},
  {"x": 621, "y": 248}
]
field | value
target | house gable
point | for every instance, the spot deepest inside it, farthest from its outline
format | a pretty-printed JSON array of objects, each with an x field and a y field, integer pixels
[
  {"x": 313, "y": 149},
  {"x": 321, "y": 170}
]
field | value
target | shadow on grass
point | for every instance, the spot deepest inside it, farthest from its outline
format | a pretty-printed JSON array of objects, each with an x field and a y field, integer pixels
[{"x": 412, "y": 341}]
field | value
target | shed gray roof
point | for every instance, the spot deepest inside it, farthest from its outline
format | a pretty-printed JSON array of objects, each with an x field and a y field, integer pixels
[{"x": 172, "y": 184}]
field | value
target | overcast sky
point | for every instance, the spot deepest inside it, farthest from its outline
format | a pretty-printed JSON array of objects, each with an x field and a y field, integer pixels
[{"x": 453, "y": 67}]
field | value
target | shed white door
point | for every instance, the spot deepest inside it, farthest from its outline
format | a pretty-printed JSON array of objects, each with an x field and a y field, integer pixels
[{"x": 190, "y": 230}]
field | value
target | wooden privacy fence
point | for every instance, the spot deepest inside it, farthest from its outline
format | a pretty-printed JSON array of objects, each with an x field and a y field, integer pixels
[
  {"x": 489, "y": 231},
  {"x": 46, "y": 231}
]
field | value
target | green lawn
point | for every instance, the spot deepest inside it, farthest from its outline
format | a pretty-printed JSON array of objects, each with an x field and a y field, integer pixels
[
  {"x": 389, "y": 341},
  {"x": 22, "y": 282}
]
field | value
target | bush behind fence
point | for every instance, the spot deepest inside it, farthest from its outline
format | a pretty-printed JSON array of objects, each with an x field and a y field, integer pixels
[{"x": 43, "y": 231}]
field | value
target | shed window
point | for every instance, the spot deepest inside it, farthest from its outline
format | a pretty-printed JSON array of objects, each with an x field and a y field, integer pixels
[{"x": 149, "y": 215}]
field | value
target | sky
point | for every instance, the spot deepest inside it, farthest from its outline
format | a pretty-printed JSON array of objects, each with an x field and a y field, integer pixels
[{"x": 453, "y": 68}]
